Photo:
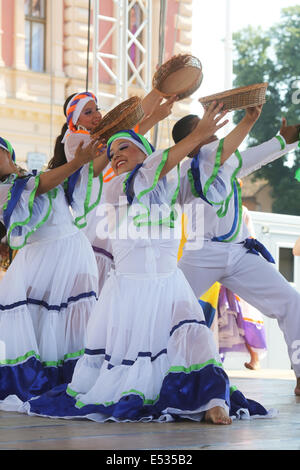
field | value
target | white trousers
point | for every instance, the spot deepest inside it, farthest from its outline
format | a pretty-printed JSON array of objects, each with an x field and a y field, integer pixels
[{"x": 253, "y": 279}]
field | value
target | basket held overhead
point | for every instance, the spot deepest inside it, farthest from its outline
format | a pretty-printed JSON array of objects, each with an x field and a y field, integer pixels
[
  {"x": 181, "y": 75},
  {"x": 124, "y": 116},
  {"x": 238, "y": 98}
]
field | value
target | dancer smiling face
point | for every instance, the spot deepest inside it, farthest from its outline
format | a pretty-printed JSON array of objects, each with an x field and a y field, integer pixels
[{"x": 125, "y": 156}]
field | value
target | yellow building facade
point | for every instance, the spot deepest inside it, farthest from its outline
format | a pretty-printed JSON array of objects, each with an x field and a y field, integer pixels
[{"x": 43, "y": 59}]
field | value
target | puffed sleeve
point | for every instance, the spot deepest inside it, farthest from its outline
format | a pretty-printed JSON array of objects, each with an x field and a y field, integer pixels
[{"x": 23, "y": 213}]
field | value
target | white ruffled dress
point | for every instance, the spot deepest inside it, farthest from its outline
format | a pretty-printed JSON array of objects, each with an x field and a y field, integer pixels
[
  {"x": 149, "y": 354},
  {"x": 49, "y": 290},
  {"x": 95, "y": 228}
]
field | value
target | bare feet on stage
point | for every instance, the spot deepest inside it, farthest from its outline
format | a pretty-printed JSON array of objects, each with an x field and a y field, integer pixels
[
  {"x": 217, "y": 415},
  {"x": 252, "y": 365},
  {"x": 254, "y": 359},
  {"x": 297, "y": 389}
]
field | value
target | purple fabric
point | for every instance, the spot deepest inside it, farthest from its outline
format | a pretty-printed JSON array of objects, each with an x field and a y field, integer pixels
[{"x": 251, "y": 333}]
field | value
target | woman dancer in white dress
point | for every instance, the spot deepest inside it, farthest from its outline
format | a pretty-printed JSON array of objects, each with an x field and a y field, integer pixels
[
  {"x": 83, "y": 116},
  {"x": 149, "y": 354},
  {"x": 48, "y": 292}
]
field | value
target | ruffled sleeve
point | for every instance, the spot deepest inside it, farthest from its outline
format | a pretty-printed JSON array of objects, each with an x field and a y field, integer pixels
[
  {"x": 256, "y": 157},
  {"x": 143, "y": 187},
  {"x": 203, "y": 177},
  {"x": 214, "y": 183},
  {"x": 80, "y": 187},
  {"x": 22, "y": 212},
  {"x": 150, "y": 189}
]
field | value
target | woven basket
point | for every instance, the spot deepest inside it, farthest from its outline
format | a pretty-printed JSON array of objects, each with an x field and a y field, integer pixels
[
  {"x": 238, "y": 98},
  {"x": 124, "y": 116},
  {"x": 180, "y": 76}
]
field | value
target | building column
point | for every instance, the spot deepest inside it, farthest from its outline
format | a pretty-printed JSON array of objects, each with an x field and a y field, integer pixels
[
  {"x": 19, "y": 49},
  {"x": 55, "y": 39},
  {"x": 1, "y": 33}
]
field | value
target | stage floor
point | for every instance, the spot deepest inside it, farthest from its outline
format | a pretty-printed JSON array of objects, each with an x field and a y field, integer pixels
[{"x": 272, "y": 388}]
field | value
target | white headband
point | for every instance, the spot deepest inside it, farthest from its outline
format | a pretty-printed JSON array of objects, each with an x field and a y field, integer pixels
[
  {"x": 137, "y": 144},
  {"x": 79, "y": 107}
]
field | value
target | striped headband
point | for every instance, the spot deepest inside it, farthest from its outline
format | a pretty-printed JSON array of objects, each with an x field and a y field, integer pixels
[
  {"x": 139, "y": 140},
  {"x": 6, "y": 145},
  {"x": 75, "y": 107}
]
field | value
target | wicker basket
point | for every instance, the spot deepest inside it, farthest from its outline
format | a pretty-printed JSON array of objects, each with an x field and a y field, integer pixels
[
  {"x": 238, "y": 98},
  {"x": 124, "y": 116},
  {"x": 181, "y": 76}
]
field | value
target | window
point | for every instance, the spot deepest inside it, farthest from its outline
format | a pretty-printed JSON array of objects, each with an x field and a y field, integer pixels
[
  {"x": 35, "y": 33},
  {"x": 286, "y": 263}
]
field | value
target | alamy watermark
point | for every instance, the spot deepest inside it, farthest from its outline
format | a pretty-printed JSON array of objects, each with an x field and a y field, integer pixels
[
  {"x": 295, "y": 358},
  {"x": 296, "y": 93},
  {"x": 160, "y": 222}
]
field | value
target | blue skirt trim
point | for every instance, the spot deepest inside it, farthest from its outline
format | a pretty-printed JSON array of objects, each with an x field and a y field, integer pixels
[
  {"x": 32, "y": 378},
  {"x": 180, "y": 390},
  {"x": 44, "y": 304}
]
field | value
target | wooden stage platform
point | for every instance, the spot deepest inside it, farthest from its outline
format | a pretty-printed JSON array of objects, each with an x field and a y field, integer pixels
[{"x": 274, "y": 389}]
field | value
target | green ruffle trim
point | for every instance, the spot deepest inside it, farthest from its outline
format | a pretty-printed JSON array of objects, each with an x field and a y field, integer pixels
[
  {"x": 282, "y": 143},
  {"x": 50, "y": 194},
  {"x": 80, "y": 221},
  {"x": 222, "y": 211},
  {"x": 143, "y": 220},
  {"x": 147, "y": 401},
  {"x": 10, "y": 180},
  {"x": 20, "y": 359}
]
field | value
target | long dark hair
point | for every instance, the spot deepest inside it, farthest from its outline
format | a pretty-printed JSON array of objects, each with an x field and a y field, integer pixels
[{"x": 59, "y": 156}]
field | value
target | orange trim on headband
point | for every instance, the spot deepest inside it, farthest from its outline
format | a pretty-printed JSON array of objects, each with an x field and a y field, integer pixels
[
  {"x": 83, "y": 95},
  {"x": 108, "y": 176}
]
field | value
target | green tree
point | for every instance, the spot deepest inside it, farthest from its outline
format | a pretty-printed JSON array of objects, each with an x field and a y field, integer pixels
[{"x": 273, "y": 56}]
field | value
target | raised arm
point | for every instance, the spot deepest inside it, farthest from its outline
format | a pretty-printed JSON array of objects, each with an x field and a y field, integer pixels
[
  {"x": 52, "y": 178},
  {"x": 160, "y": 112},
  {"x": 234, "y": 139},
  {"x": 206, "y": 127},
  {"x": 262, "y": 154},
  {"x": 151, "y": 101},
  {"x": 291, "y": 134}
]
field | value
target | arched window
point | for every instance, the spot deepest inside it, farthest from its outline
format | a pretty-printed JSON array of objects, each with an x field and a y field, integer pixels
[{"x": 35, "y": 34}]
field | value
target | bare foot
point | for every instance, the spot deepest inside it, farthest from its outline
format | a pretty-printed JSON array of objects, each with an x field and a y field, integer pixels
[
  {"x": 217, "y": 415},
  {"x": 252, "y": 365},
  {"x": 297, "y": 389}
]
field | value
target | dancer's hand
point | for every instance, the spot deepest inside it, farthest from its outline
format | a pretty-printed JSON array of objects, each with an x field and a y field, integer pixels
[
  {"x": 91, "y": 151},
  {"x": 164, "y": 110},
  {"x": 290, "y": 133},
  {"x": 253, "y": 113},
  {"x": 210, "y": 122}
]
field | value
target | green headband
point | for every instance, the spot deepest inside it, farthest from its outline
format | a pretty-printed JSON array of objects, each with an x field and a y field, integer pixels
[{"x": 138, "y": 139}]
